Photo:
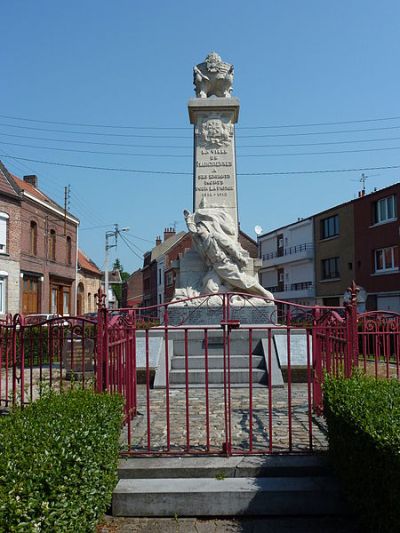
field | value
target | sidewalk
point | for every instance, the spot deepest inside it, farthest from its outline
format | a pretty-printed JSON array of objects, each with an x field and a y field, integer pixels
[{"x": 238, "y": 525}]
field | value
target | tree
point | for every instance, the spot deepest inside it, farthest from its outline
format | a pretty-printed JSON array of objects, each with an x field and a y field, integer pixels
[{"x": 124, "y": 276}]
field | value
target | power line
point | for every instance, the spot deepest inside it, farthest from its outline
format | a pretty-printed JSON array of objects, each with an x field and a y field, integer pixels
[
  {"x": 167, "y": 147},
  {"x": 94, "y": 133},
  {"x": 130, "y": 170},
  {"x": 279, "y": 126},
  {"x": 93, "y": 151},
  {"x": 274, "y": 135},
  {"x": 81, "y": 141},
  {"x": 130, "y": 248},
  {"x": 317, "y": 133},
  {"x": 99, "y": 168},
  {"x": 190, "y": 156}
]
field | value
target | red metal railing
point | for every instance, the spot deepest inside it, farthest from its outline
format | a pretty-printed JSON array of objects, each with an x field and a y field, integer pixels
[{"x": 215, "y": 386}]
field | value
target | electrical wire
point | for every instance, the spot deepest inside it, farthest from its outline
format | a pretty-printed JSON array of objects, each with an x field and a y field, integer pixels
[
  {"x": 129, "y": 154},
  {"x": 132, "y": 135},
  {"x": 168, "y": 172},
  {"x": 129, "y": 246},
  {"x": 113, "y": 126},
  {"x": 168, "y": 147}
]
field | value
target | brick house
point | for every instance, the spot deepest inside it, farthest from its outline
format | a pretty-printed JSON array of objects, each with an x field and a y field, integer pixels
[
  {"x": 10, "y": 243},
  {"x": 334, "y": 253},
  {"x": 41, "y": 240},
  {"x": 89, "y": 282},
  {"x": 377, "y": 239},
  {"x": 133, "y": 290},
  {"x": 154, "y": 267}
]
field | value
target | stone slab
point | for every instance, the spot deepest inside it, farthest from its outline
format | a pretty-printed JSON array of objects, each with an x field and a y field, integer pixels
[
  {"x": 235, "y": 466},
  {"x": 226, "y": 497},
  {"x": 298, "y": 347},
  {"x": 249, "y": 314},
  {"x": 156, "y": 349}
]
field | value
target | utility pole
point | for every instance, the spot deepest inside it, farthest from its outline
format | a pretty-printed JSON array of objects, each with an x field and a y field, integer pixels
[
  {"x": 114, "y": 236},
  {"x": 67, "y": 192}
]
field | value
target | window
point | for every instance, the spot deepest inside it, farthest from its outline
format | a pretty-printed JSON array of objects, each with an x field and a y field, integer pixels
[
  {"x": 66, "y": 301},
  {"x": 169, "y": 279},
  {"x": 52, "y": 245},
  {"x": 386, "y": 259},
  {"x": 385, "y": 209},
  {"x": 69, "y": 251},
  {"x": 3, "y": 232},
  {"x": 330, "y": 227},
  {"x": 330, "y": 268},
  {"x": 33, "y": 238},
  {"x": 3, "y": 282}
]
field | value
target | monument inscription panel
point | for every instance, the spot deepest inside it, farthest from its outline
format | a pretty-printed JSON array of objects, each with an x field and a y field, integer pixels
[{"x": 214, "y": 155}]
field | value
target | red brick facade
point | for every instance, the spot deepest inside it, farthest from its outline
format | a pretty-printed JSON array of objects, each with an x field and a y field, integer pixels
[
  {"x": 40, "y": 259},
  {"x": 377, "y": 235}
]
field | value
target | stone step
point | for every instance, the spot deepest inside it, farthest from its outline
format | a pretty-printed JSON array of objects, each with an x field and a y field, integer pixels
[
  {"x": 274, "y": 496},
  {"x": 216, "y": 376},
  {"x": 217, "y": 361},
  {"x": 235, "y": 466}
]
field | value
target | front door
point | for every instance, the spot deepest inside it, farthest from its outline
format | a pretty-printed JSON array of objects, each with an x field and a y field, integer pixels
[{"x": 30, "y": 296}]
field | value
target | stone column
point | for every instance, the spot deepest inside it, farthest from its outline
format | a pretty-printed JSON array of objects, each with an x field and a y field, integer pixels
[{"x": 214, "y": 172}]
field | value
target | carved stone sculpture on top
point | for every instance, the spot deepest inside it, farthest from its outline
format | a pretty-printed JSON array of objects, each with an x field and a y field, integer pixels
[
  {"x": 213, "y": 77},
  {"x": 213, "y": 235}
]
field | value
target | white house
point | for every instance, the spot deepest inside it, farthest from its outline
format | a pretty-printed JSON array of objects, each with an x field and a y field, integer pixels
[{"x": 287, "y": 256}]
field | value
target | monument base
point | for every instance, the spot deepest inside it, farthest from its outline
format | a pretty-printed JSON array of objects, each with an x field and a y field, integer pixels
[{"x": 210, "y": 315}]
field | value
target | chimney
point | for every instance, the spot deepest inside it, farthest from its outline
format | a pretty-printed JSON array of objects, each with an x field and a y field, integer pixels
[
  {"x": 168, "y": 232},
  {"x": 32, "y": 179},
  {"x": 158, "y": 240}
]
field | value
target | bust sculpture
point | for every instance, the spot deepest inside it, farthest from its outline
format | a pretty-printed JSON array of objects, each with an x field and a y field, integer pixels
[{"x": 213, "y": 77}]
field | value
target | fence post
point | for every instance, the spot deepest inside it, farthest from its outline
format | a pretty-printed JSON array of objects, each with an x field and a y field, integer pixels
[
  {"x": 317, "y": 363},
  {"x": 100, "y": 345},
  {"x": 351, "y": 358}
]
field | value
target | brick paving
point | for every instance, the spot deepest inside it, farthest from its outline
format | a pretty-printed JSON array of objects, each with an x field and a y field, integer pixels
[{"x": 278, "y": 441}]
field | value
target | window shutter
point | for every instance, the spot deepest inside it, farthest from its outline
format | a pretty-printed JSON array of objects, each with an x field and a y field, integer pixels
[{"x": 3, "y": 234}]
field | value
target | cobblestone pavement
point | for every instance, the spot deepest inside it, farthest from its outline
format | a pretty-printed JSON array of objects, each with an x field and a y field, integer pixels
[{"x": 192, "y": 436}]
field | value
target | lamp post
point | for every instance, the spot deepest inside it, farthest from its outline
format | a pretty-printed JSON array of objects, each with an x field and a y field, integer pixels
[{"x": 110, "y": 235}]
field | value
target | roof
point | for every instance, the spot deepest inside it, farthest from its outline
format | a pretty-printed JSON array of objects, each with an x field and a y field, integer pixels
[
  {"x": 162, "y": 248},
  {"x": 18, "y": 186},
  {"x": 7, "y": 185},
  {"x": 87, "y": 264}
]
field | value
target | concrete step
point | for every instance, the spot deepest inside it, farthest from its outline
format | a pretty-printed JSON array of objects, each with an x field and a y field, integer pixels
[
  {"x": 236, "y": 466},
  {"x": 275, "y": 496},
  {"x": 216, "y": 376},
  {"x": 217, "y": 361}
]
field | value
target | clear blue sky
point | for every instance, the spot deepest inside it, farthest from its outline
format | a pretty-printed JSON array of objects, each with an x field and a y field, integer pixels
[{"x": 127, "y": 63}]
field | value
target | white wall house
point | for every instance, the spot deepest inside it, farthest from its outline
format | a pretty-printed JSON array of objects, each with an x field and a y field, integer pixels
[{"x": 287, "y": 256}]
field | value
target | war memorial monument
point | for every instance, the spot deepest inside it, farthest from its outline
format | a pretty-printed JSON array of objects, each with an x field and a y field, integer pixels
[{"x": 218, "y": 263}]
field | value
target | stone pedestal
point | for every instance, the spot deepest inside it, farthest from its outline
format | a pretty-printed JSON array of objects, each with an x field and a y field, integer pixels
[
  {"x": 210, "y": 315},
  {"x": 214, "y": 173}
]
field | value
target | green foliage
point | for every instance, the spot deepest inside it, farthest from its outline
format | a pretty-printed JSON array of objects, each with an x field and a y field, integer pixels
[
  {"x": 58, "y": 462},
  {"x": 363, "y": 416}
]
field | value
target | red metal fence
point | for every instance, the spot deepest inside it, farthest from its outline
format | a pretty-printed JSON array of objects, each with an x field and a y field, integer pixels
[{"x": 225, "y": 386}]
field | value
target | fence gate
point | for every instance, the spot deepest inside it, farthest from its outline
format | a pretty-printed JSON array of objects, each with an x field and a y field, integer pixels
[{"x": 225, "y": 388}]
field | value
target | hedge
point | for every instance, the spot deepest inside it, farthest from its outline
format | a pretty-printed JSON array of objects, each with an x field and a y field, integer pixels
[
  {"x": 363, "y": 417},
  {"x": 58, "y": 460}
]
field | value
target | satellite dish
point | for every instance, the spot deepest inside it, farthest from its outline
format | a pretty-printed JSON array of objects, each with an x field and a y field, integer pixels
[{"x": 258, "y": 230}]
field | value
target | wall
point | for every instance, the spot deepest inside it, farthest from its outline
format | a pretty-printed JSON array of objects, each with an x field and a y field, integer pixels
[
  {"x": 370, "y": 237},
  {"x": 341, "y": 246},
  {"x": 57, "y": 271},
  {"x": 9, "y": 261}
]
